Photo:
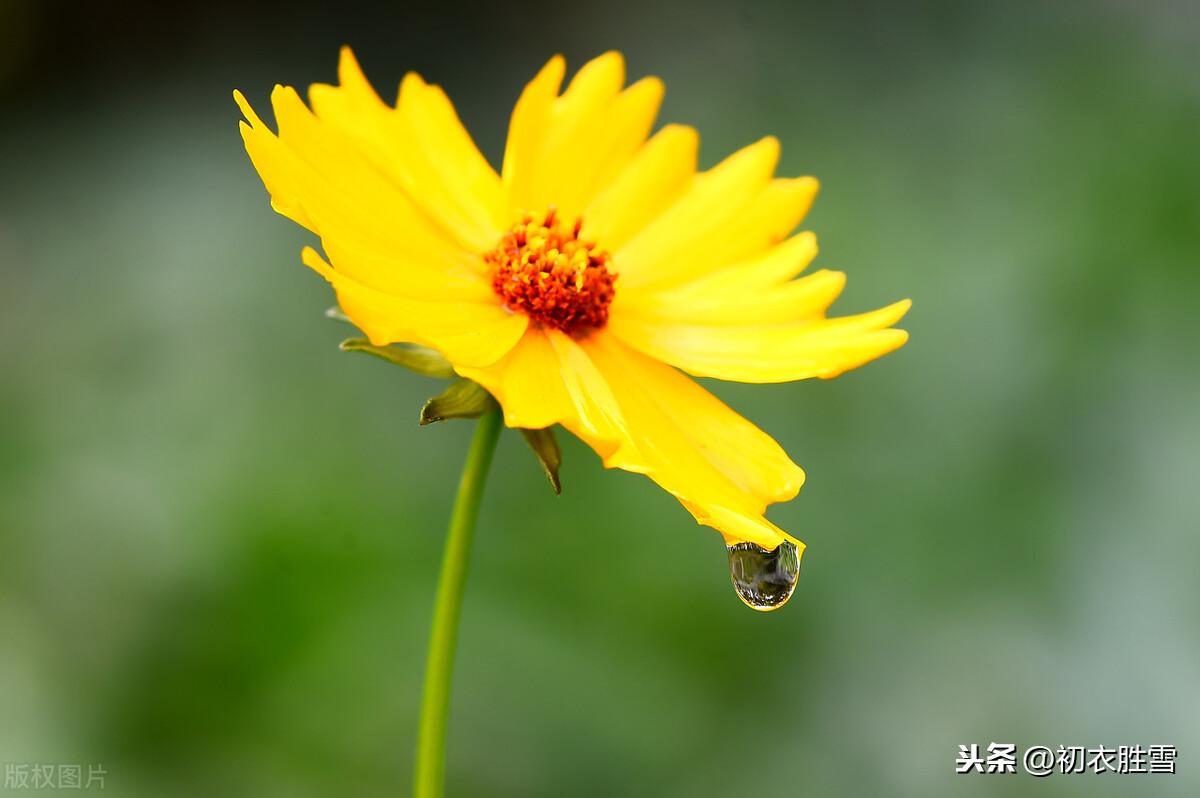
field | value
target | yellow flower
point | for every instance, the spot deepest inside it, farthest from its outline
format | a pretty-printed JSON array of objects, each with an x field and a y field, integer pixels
[{"x": 580, "y": 283}]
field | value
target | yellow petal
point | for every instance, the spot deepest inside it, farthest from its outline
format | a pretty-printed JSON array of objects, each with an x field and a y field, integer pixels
[
  {"x": 647, "y": 418},
  {"x": 653, "y": 179},
  {"x": 746, "y": 455},
  {"x": 779, "y": 263},
  {"x": 601, "y": 150},
  {"x": 565, "y": 149},
  {"x": 467, "y": 333},
  {"x": 403, "y": 275},
  {"x": 723, "y": 469},
  {"x": 548, "y": 379},
  {"x": 421, "y": 146},
  {"x": 792, "y": 301},
  {"x": 594, "y": 86},
  {"x": 737, "y": 527},
  {"x": 527, "y": 382},
  {"x": 598, "y": 415},
  {"x": 714, "y": 195},
  {"x": 761, "y": 224},
  {"x": 319, "y": 178},
  {"x": 527, "y": 132},
  {"x": 573, "y": 125},
  {"x": 767, "y": 353},
  {"x": 710, "y": 228},
  {"x": 457, "y": 184}
]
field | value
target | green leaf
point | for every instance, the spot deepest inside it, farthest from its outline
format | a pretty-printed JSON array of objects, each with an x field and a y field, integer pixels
[
  {"x": 463, "y": 399},
  {"x": 420, "y": 359},
  {"x": 545, "y": 448}
]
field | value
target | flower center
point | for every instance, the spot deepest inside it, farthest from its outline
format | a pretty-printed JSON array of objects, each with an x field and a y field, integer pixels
[{"x": 544, "y": 270}]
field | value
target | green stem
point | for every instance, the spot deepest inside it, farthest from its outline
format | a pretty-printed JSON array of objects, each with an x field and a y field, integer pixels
[{"x": 439, "y": 667}]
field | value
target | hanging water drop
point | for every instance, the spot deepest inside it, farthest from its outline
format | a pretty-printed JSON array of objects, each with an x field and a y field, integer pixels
[{"x": 763, "y": 579}]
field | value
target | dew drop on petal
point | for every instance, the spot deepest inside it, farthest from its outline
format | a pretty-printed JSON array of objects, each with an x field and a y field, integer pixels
[{"x": 763, "y": 579}]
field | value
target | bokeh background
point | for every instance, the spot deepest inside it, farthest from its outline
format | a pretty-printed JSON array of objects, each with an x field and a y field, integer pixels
[{"x": 219, "y": 535}]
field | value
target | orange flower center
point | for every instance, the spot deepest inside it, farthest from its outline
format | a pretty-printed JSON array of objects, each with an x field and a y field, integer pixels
[{"x": 544, "y": 270}]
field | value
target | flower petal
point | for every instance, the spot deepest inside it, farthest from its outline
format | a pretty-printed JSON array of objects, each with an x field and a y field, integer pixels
[
  {"x": 746, "y": 455},
  {"x": 721, "y": 467},
  {"x": 402, "y": 275},
  {"x": 421, "y": 146},
  {"x": 527, "y": 131},
  {"x": 467, "y": 333},
  {"x": 712, "y": 198},
  {"x": 753, "y": 292},
  {"x": 563, "y": 150},
  {"x": 798, "y": 300},
  {"x": 548, "y": 379},
  {"x": 319, "y": 178},
  {"x": 655, "y": 177},
  {"x": 767, "y": 352},
  {"x": 733, "y": 211},
  {"x": 779, "y": 263},
  {"x": 647, "y": 418},
  {"x": 603, "y": 146}
]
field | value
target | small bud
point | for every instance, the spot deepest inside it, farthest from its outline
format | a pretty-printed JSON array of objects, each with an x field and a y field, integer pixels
[
  {"x": 420, "y": 359},
  {"x": 545, "y": 448},
  {"x": 463, "y": 399}
]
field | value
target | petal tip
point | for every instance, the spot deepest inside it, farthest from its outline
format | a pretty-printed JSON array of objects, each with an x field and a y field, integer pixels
[
  {"x": 609, "y": 60},
  {"x": 899, "y": 310},
  {"x": 555, "y": 68},
  {"x": 244, "y": 106}
]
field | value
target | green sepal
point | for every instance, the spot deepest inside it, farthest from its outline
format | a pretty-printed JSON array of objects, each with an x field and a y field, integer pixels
[
  {"x": 463, "y": 399},
  {"x": 545, "y": 449},
  {"x": 420, "y": 359}
]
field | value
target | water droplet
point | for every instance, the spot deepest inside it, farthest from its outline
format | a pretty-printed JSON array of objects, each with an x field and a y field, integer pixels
[{"x": 764, "y": 579}]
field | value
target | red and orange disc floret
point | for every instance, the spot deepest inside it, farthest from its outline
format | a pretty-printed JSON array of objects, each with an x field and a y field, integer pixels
[{"x": 543, "y": 269}]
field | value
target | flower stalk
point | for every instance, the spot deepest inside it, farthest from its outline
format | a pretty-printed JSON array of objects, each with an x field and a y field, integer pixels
[{"x": 439, "y": 666}]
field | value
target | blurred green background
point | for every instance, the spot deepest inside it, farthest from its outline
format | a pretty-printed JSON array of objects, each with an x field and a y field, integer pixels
[{"x": 219, "y": 535}]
